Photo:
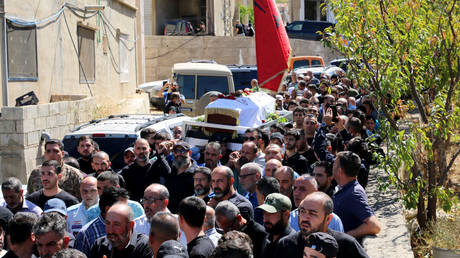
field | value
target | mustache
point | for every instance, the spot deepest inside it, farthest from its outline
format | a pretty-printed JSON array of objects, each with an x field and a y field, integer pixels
[{"x": 305, "y": 223}]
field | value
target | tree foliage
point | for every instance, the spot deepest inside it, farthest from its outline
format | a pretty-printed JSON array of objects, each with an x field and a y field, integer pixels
[{"x": 406, "y": 52}]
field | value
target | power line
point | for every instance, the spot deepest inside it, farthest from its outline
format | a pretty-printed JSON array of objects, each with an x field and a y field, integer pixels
[{"x": 78, "y": 56}]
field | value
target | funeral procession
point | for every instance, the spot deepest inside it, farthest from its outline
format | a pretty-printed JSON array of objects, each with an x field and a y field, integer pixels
[{"x": 230, "y": 128}]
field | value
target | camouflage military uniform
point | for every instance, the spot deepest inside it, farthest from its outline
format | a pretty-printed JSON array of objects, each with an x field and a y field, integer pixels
[{"x": 70, "y": 180}]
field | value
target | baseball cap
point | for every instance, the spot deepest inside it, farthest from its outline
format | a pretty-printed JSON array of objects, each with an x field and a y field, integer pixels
[
  {"x": 276, "y": 202},
  {"x": 278, "y": 136},
  {"x": 172, "y": 249},
  {"x": 182, "y": 144},
  {"x": 323, "y": 243},
  {"x": 129, "y": 149},
  {"x": 55, "y": 204}
]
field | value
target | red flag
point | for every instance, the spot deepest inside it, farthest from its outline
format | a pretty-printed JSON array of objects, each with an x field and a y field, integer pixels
[{"x": 272, "y": 45}]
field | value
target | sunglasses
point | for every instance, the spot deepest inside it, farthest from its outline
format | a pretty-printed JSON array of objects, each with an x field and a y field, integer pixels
[
  {"x": 252, "y": 138},
  {"x": 180, "y": 151}
]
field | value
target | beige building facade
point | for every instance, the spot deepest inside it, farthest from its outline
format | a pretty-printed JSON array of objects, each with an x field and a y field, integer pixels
[{"x": 60, "y": 49}]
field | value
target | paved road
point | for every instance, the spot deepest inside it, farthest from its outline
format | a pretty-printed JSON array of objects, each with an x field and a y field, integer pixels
[{"x": 393, "y": 239}]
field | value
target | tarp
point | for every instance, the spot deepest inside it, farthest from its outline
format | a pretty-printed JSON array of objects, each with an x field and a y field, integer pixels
[{"x": 272, "y": 45}]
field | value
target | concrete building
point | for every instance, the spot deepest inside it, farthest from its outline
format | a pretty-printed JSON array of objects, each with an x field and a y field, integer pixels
[
  {"x": 218, "y": 15},
  {"x": 300, "y": 10},
  {"x": 78, "y": 57},
  {"x": 43, "y": 41}
]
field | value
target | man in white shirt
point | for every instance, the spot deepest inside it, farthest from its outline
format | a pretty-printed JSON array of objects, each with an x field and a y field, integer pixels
[{"x": 77, "y": 215}]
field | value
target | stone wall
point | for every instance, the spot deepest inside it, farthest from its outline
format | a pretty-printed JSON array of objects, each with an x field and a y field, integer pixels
[
  {"x": 21, "y": 147},
  {"x": 162, "y": 52}
]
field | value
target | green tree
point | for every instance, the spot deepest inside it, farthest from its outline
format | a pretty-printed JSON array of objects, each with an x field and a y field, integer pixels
[
  {"x": 406, "y": 52},
  {"x": 249, "y": 11}
]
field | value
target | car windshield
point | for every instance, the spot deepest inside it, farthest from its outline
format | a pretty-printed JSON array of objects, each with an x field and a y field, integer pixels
[
  {"x": 186, "y": 85},
  {"x": 316, "y": 63},
  {"x": 301, "y": 63},
  {"x": 212, "y": 83}
]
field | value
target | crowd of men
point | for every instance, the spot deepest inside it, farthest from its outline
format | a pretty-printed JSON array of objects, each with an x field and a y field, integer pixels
[{"x": 295, "y": 191}]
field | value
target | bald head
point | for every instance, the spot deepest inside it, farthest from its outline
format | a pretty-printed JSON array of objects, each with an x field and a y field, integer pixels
[
  {"x": 119, "y": 224},
  {"x": 101, "y": 155},
  {"x": 163, "y": 227},
  {"x": 209, "y": 219},
  {"x": 271, "y": 166},
  {"x": 89, "y": 180},
  {"x": 100, "y": 162},
  {"x": 88, "y": 191},
  {"x": 303, "y": 186},
  {"x": 156, "y": 199},
  {"x": 141, "y": 141},
  {"x": 321, "y": 198},
  {"x": 121, "y": 209}
]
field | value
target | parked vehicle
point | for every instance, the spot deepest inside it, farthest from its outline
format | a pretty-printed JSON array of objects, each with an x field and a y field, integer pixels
[
  {"x": 242, "y": 75},
  {"x": 317, "y": 71},
  {"x": 307, "y": 29},
  {"x": 117, "y": 132},
  {"x": 178, "y": 28},
  {"x": 343, "y": 63},
  {"x": 198, "y": 81},
  {"x": 305, "y": 61}
]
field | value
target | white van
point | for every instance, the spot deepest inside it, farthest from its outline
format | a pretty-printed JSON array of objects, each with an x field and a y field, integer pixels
[{"x": 198, "y": 80}]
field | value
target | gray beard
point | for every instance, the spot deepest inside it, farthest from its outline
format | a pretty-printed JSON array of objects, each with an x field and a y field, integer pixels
[
  {"x": 201, "y": 191},
  {"x": 180, "y": 163}
]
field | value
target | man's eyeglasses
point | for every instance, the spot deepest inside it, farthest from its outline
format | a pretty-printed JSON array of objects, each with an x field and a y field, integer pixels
[
  {"x": 244, "y": 176},
  {"x": 251, "y": 138},
  {"x": 151, "y": 200},
  {"x": 180, "y": 151}
]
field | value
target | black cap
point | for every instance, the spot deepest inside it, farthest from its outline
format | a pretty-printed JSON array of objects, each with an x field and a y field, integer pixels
[
  {"x": 278, "y": 136},
  {"x": 5, "y": 216},
  {"x": 182, "y": 144},
  {"x": 323, "y": 243},
  {"x": 172, "y": 249}
]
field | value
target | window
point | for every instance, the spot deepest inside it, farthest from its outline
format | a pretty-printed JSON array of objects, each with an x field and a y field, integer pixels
[
  {"x": 186, "y": 85},
  {"x": 316, "y": 63},
  {"x": 313, "y": 10},
  {"x": 124, "y": 58},
  {"x": 211, "y": 83},
  {"x": 86, "y": 53},
  {"x": 295, "y": 26},
  {"x": 301, "y": 63},
  {"x": 22, "y": 52}
]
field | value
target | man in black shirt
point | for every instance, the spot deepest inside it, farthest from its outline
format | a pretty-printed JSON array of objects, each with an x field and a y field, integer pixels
[
  {"x": 121, "y": 241},
  {"x": 276, "y": 209},
  {"x": 180, "y": 181},
  {"x": 228, "y": 218},
  {"x": 292, "y": 158},
  {"x": 142, "y": 172},
  {"x": 22, "y": 241},
  {"x": 85, "y": 148},
  {"x": 222, "y": 184},
  {"x": 321, "y": 205},
  {"x": 192, "y": 211},
  {"x": 50, "y": 175},
  {"x": 323, "y": 175}
]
